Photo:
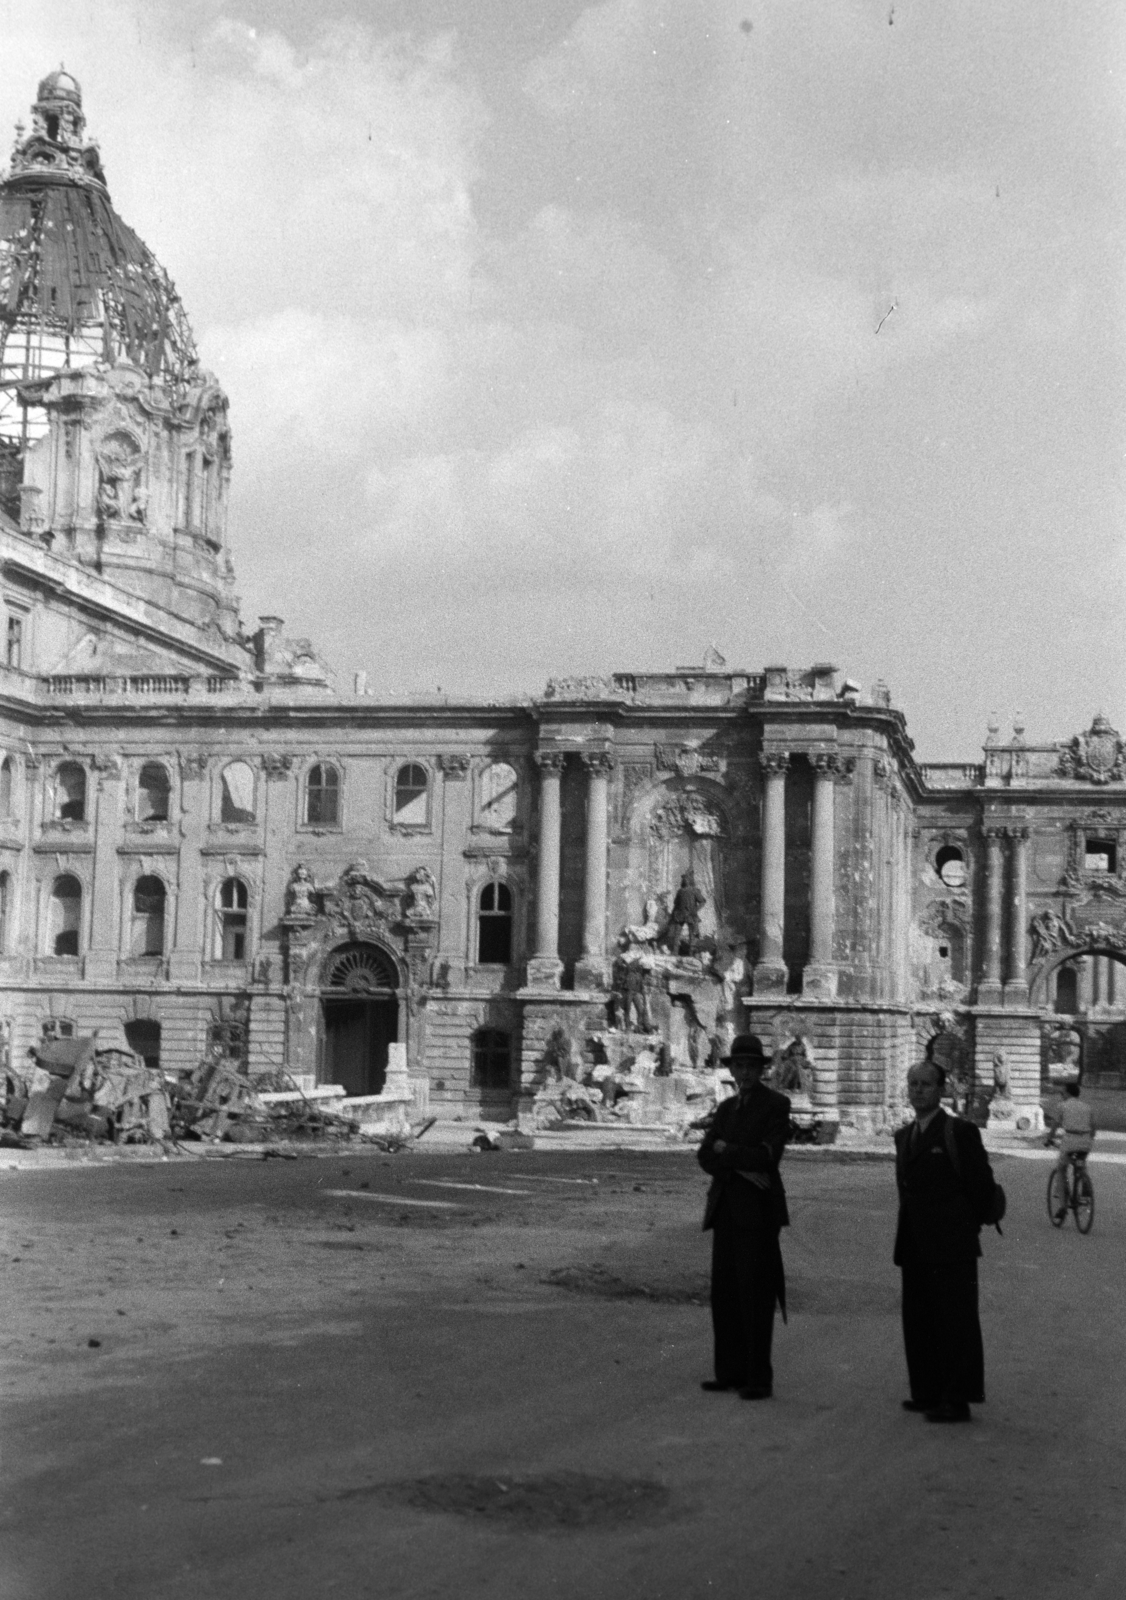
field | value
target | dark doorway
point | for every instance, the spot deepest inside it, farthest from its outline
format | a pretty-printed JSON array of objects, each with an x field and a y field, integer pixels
[
  {"x": 143, "y": 1038},
  {"x": 356, "y": 1035}
]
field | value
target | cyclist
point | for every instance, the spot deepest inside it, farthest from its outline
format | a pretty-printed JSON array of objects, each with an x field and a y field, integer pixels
[{"x": 1074, "y": 1122}]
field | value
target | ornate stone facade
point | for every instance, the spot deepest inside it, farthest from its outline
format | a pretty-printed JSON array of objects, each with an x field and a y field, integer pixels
[{"x": 622, "y": 872}]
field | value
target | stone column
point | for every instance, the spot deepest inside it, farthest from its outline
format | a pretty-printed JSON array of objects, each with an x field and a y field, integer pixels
[
  {"x": 1016, "y": 979},
  {"x": 450, "y": 965},
  {"x": 545, "y": 967},
  {"x": 820, "y": 977},
  {"x": 103, "y": 806},
  {"x": 593, "y": 969},
  {"x": 770, "y": 971},
  {"x": 989, "y": 988},
  {"x": 184, "y": 962}
]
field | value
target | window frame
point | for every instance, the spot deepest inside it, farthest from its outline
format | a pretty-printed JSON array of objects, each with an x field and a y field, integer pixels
[
  {"x": 483, "y": 823},
  {"x": 493, "y": 918},
  {"x": 49, "y": 938},
  {"x": 220, "y": 774},
  {"x": 306, "y": 821},
  {"x": 489, "y": 1053},
  {"x": 220, "y": 913},
  {"x": 153, "y": 764},
  {"x": 134, "y": 915},
  {"x": 400, "y": 765},
  {"x": 57, "y": 801}
]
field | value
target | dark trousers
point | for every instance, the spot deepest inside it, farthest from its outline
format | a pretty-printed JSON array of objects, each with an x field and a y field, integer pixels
[
  {"x": 942, "y": 1333},
  {"x": 745, "y": 1275}
]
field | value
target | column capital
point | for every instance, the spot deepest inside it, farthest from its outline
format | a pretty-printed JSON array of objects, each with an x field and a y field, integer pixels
[
  {"x": 277, "y": 767},
  {"x": 1019, "y": 834},
  {"x": 599, "y": 763},
  {"x": 194, "y": 765},
  {"x": 549, "y": 761},
  {"x": 993, "y": 833},
  {"x": 455, "y": 765},
  {"x": 774, "y": 762}
]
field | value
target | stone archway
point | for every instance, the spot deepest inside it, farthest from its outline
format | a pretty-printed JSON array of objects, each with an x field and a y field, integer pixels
[{"x": 359, "y": 1016}]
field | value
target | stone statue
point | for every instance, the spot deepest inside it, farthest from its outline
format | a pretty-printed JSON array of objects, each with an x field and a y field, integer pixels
[
  {"x": 685, "y": 915},
  {"x": 301, "y": 892},
  {"x": 1000, "y": 1075},
  {"x": 1049, "y": 932},
  {"x": 794, "y": 1071},
  {"x": 138, "y": 505},
  {"x": 423, "y": 891},
  {"x": 649, "y": 931}
]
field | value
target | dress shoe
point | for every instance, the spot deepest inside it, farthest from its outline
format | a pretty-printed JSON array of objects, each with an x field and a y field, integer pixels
[
  {"x": 713, "y": 1386},
  {"x": 957, "y": 1412},
  {"x": 755, "y": 1394},
  {"x": 918, "y": 1405}
]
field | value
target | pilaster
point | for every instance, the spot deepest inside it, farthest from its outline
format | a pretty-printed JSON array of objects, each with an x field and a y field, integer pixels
[{"x": 770, "y": 971}]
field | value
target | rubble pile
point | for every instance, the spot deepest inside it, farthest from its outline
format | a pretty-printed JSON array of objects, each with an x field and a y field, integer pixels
[{"x": 69, "y": 1090}]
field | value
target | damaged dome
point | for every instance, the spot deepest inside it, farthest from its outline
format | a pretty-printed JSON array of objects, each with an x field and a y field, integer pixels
[{"x": 77, "y": 285}]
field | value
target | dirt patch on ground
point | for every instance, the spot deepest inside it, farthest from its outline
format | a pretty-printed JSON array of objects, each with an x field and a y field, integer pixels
[
  {"x": 842, "y": 1297},
  {"x": 605, "y": 1285},
  {"x": 555, "y": 1501}
]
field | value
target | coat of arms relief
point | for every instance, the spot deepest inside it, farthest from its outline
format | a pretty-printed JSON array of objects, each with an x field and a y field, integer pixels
[{"x": 1097, "y": 756}]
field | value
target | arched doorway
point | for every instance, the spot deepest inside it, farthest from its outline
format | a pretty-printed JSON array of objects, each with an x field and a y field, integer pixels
[{"x": 359, "y": 1017}]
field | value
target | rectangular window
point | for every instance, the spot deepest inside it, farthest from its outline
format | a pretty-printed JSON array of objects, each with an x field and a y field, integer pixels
[
  {"x": 15, "y": 640},
  {"x": 1100, "y": 855}
]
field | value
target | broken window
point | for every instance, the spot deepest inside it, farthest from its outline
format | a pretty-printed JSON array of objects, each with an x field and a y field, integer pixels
[
  {"x": 149, "y": 898},
  {"x": 154, "y": 790},
  {"x": 6, "y": 787},
  {"x": 15, "y": 640},
  {"x": 70, "y": 793},
  {"x": 237, "y": 800},
  {"x": 492, "y": 1060},
  {"x": 322, "y": 796},
  {"x": 232, "y": 909},
  {"x": 227, "y": 1041},
  {"x": 950, "y": 864},
  {"x": 57, "y": 1028},
  {"x": 498, "y": 797},
  {"x": 494, "y": 925},
  {"x": 411, "y": 786},
  {"x": 1100, "y": 855},
  {"x": 5, "y": 909},
  {"x": 143, "y": 1038},
  {"x": 64, "y": 916}
]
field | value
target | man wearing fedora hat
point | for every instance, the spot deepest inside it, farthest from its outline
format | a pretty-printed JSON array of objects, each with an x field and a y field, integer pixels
[{"x": 745, "y": 1211}]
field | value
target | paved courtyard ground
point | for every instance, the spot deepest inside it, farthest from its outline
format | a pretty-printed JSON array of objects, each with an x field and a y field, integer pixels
[{"x": 358, "y": 1376}]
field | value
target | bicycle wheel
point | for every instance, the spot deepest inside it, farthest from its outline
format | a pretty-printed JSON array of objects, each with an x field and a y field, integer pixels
[
  {"x": 1083, "y": 1201},
  {"x": 1057, "y": 1198}
]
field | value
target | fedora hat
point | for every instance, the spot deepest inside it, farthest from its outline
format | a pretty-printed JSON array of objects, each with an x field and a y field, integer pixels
[{"x": 746, "y": 1051}]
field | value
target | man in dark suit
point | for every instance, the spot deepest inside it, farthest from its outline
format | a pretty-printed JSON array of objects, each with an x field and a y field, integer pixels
[
  {"x": 942, "y": 1199},
  {"x": 746, "y": 1208}
]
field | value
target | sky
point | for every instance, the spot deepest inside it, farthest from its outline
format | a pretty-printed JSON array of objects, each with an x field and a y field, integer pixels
[{"x": 568, "y": 339}]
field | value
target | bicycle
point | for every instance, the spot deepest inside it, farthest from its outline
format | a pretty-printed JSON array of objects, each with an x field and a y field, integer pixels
[{"x": 1070, "y": 1189}]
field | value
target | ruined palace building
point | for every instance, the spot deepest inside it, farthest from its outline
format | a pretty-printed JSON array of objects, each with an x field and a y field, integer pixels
[{"x": 207, "y": 845}]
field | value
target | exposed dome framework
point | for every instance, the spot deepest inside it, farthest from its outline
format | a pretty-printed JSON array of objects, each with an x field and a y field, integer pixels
[{"x": 77, "y": 286}]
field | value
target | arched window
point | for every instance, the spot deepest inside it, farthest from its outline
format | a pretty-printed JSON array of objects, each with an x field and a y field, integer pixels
[
  {"x": 411, "y": 786},
  {"x": 148, "y": 917},
  {"x": 492, "y": 1060},
  {"x": 153, "y": 793},
  {"x": 494, "y": 925},
  {"x": 232, "y": 912},
  {"x": 70, "y": 792},
  {"x": 6, "y": 787},
  {"x": 64, "y": 916},
  {"x": 5, "y": 909},
  {"x": 950, "y": 864},
  {"x": 237, "y": 799},
  {"x": 322, "y": 795},
  {"x": 498, "y": 797}
]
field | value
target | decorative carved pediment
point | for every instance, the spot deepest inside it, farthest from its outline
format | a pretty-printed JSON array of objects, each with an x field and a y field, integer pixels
[
  {"x": 1097, "y": 756},
  {"x": 686, "y": 759}
]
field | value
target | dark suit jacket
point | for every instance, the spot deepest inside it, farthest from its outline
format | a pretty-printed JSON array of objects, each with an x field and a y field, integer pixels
[
  {"x": 755, "y": 1128},
  {"x": 939, "y": 1208}
]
